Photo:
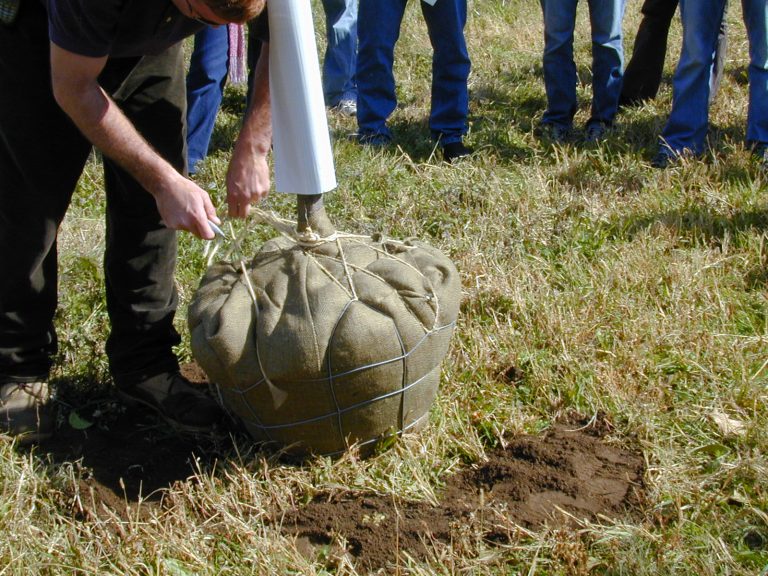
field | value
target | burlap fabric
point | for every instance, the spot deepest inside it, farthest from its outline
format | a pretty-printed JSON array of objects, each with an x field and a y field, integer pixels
[{"x": 344, "y": 345}]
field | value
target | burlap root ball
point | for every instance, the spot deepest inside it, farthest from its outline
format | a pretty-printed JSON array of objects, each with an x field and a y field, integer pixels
[{"x": 345, "y": 344}]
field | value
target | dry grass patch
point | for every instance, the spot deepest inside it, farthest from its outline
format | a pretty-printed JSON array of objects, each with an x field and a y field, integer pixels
[{"x": 591, "y": 284}]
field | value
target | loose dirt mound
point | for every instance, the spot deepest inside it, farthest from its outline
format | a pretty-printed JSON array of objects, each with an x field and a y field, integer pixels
[
  {"x": 556, "y": 478},
  {"x": 567, "y": 473}
]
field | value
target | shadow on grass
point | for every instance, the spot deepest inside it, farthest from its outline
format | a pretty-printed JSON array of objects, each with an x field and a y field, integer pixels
[
  {"x": 509, "y": 115},
  {"x": 699, "y": 225},
  {"x": 123, "y": 455},
  {"x": 229, "y": 119},
  {"x": 225, "y": 133}
]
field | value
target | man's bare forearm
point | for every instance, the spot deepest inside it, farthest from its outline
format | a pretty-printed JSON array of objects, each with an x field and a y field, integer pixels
[
  {"x": 182, "y": 204},
  {"x": 103, "y": 123},
  {"x": 256, "y": 133},
  {"x": 248, "y": 176}
]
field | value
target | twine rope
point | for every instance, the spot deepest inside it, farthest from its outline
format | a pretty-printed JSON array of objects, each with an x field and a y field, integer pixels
[{"x": 307, "y": 241}]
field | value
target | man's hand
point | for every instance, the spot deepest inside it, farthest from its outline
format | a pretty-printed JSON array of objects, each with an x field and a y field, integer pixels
[{"x": 186, "y": 206}]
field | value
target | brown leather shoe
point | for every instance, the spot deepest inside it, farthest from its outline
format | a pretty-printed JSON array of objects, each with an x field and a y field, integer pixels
[
  {"x": 185, "y": 406},
  {"x": 26, "y": 411}
]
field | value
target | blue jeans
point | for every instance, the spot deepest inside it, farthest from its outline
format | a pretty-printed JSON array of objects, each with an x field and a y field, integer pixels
[
  {"x": 340, "y": 61},
  {"x": 208, "y": 68},
  {"x": 207, "y": 75},
  {"x": 560, "y": 70},
  {"x": 379, "y": 29},
  {"x": 688, "y": 122},
  {"x": 643, "y": 73}
]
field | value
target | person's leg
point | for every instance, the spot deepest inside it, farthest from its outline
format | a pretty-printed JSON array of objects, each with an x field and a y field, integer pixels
[
  {"x": 642, "y": 76},
  {"x": 721, "y": 52},
  {"x": 340, "y": 61},
  {"x": 450, "y": 69},
  {"x": 607, "y": 59},
  {"x": 207, "y": 75},
  {"x": 378, "y": 29},
  {"x": 42, "y": 156},
  {"x": 686, "y": 128},
  {"x": 756, "y": 21},
  {"x": 140, "y": 254},
  {"x": 559, "y": 67}
]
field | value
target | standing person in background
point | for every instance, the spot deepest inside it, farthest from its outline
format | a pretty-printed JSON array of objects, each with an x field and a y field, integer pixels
[
  {"x": 218, "y": 49},
  {"x": 379, "y": 29},
  {"x": 642, "y": 75},
  {"x": 340, "y": 63},
  {"x": 214, "y": 57},
  {"x": 686, "y": 130},
  {"x": 560, "y": 78}
]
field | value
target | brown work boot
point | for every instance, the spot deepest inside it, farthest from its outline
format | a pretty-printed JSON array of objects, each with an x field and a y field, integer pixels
[
  {"x": 26, "y": 411},
  {"x": 185, "y": 406}
]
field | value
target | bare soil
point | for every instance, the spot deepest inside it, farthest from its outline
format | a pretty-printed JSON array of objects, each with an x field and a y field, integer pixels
[
  {"x": 561, "y": 476},
  {"x": 557, "y": 478}
]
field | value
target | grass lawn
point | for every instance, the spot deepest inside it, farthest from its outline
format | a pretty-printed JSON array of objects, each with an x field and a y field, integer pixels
[{"x": 592, "y": 284}]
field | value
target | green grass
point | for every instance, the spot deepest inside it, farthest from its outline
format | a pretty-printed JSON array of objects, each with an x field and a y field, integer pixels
[{"x": 592, "y": 282}]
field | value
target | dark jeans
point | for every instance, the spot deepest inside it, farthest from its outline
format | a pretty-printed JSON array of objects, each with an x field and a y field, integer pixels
[
  {"x": 642, "y": 75},
  {"x": 42, "y": 155},
  {"x": 378, "y": 30},
  {"x": 207, "y": 75}
]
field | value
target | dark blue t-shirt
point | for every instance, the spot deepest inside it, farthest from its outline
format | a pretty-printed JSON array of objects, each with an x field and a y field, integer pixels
[{"x": 117, "y": 28}]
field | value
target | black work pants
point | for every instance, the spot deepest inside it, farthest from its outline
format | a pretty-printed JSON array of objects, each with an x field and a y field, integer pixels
[
  {"x": 642, "y": 75},
  {"x": 42, "y": 155}
]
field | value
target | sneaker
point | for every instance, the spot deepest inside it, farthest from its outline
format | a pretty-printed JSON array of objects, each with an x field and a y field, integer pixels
[
  {"x": 455, "y": 150},
  {"x": 183, "y": 405},
  {"x": 555, "y": 133},
  {"x": 26, "y": 411},
  {"x": 346, "y": 107},
  {"x": 595, "y": 132},
  {"x": 375, "y": 139}
]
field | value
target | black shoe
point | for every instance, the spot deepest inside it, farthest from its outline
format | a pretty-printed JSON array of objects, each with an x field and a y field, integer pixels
[
  {"x": 374, "y": 139},
  {"x": 555, "y": 133},
  {"x": 663, "y": 159},
  {"x": 185, "y": 406},
  {"x": 595, "y": 131},
  {"x": 455, "y": 150},
  {"x": 760, "y": 153}
]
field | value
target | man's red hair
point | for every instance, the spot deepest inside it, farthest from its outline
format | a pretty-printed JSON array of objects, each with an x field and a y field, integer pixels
[{"x": 236, "y": 10}]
